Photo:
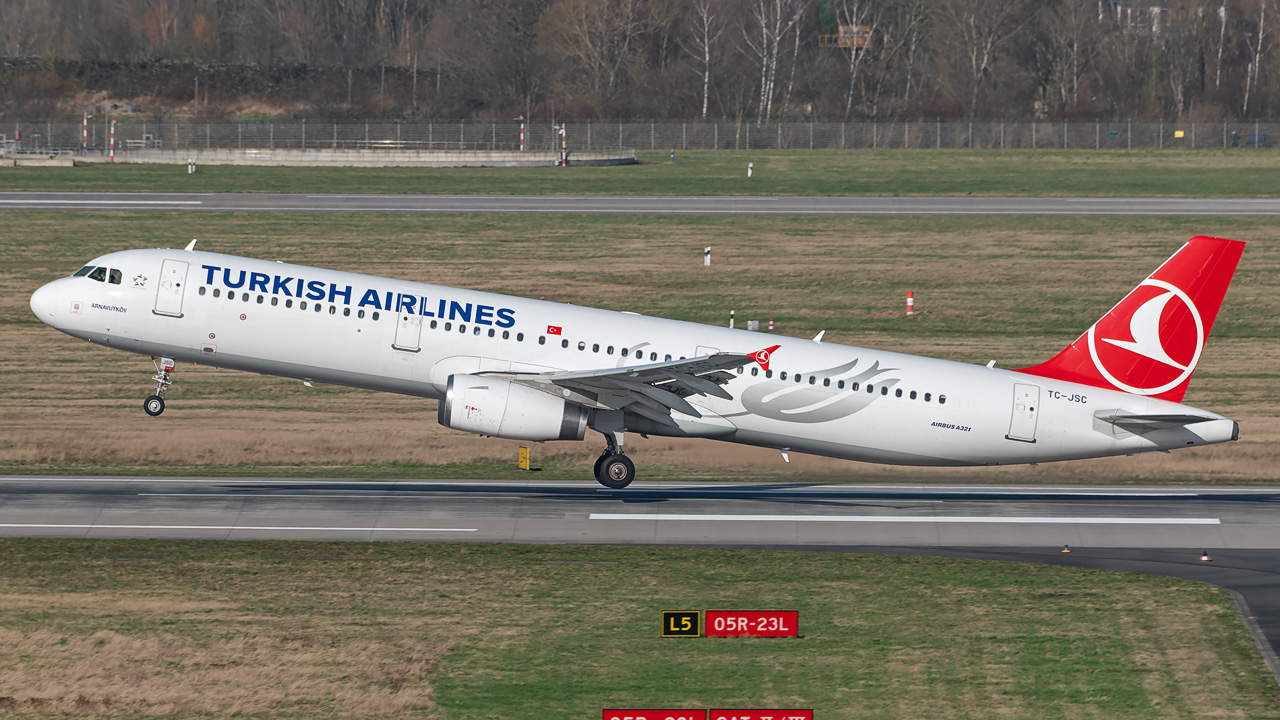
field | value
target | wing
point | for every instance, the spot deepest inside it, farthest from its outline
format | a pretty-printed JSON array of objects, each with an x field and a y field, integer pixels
[{"x": 651, "y": 391}]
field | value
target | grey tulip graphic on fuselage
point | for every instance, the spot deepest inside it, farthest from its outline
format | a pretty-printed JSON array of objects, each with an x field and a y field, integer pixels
[{"x": 804, "y": 403}]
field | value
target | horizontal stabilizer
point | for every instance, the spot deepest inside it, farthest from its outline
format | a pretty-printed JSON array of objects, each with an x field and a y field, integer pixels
[{"x": 1139, "y": 424}]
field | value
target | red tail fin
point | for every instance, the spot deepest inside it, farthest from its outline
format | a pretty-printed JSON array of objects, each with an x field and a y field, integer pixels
[{"x": 1150, "y": 342}]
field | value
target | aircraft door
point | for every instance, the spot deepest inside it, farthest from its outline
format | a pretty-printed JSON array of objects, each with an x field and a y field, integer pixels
[
  {"x": 408, "y": 332},
  {"x": 1022, "y": 426},
  {"x": 170, "y": 288}
]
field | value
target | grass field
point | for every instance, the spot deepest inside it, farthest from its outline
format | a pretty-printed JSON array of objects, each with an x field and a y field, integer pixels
[
  {"x": 1006, "y": 288},
  {"x": 1174, "y": 173},
  {"x": 161, "y": 629}
]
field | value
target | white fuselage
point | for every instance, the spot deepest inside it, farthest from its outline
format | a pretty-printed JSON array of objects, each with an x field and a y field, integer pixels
[{"x": 849, "y": 402}]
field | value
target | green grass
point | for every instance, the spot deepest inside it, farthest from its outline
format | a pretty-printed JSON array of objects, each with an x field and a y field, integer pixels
[
  {"x": 1172, "y": 173},
  {"x": 476, "y": 631}
]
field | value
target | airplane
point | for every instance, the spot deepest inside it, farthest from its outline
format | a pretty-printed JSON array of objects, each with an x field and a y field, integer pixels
[{"x": 532, "y": 370}]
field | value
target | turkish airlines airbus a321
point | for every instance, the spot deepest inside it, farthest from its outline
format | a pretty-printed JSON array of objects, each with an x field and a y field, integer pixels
[{"x": 531, "y": 370}]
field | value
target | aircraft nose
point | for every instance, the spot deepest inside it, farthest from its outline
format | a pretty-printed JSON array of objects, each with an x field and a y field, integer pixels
[{"x": 44, "y": 303}]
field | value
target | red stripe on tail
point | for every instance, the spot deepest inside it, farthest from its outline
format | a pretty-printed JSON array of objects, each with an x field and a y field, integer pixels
[{"x": 1150, "y": 342}]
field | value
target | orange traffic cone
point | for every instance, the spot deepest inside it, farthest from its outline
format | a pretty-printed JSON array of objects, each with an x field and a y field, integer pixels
[
  {"x": 1066, "y": 548},
  {"x": 1205, "y": 557}
]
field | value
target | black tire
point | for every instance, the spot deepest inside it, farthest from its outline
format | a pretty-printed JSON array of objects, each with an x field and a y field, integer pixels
[
  {"x": 615, "y": 471},
  {"x": 153, "y": 405},
  {"x": 599, "y": 462}
]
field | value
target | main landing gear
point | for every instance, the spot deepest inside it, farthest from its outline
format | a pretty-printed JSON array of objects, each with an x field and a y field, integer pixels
[
  {"x": 614, "y": 470},
  {"x": 154, "y": 404}
]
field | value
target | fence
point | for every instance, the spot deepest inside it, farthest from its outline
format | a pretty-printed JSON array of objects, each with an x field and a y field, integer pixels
[{"x": 135, "y": 133}]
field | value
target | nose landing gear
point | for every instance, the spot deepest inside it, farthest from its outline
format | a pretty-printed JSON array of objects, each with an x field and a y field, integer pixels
[{"x": 154, "y": 404}]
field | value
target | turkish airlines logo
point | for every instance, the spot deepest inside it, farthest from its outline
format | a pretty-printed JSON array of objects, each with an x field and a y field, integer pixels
[
  {"x": 1150, "y": 342},
  {"x": 762, "y": 356}
]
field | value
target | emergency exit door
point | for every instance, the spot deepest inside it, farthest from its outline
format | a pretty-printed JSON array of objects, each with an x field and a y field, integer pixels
[
  {"x": 169, "y": 291},
  {"x": 1026, "y": 401},
  {"x": 408, "y": 332}
]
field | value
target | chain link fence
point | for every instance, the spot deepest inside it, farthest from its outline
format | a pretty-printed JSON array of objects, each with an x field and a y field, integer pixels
[{"x": 135, "y": 133}]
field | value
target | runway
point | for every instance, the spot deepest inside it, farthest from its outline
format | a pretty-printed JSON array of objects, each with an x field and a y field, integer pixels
[
  {"x": 647, "y": 205},
  {"x": 1161, "y": 530}
]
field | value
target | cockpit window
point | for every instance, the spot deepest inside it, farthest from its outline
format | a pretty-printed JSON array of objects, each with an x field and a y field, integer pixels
[
  {"x": 83, "y": 271},
  {"x": 99, "y": 274},
  {"x": 115, "y": 277}
]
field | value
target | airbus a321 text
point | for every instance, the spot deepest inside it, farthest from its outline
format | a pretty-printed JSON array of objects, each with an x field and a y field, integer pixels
[{"x": 532, "y": 370}]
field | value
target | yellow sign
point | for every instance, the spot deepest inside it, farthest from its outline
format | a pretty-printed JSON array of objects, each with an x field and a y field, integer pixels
[
  {"x": 1178, "y": 133},
  {"x": 681, "y": 623},
  {"x": 524, "y": 457}
]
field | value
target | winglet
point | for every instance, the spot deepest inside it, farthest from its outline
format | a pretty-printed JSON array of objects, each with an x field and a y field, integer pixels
[
  {"x": 191, "y": 246},
  {"x": 762, "y": 356}
]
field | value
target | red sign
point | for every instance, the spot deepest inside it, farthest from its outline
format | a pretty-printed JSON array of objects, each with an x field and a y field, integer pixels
[
  {"x": 756, "y": 623},
  {"x": 762, "y": 356},
  {"x": 553, "y": 329},
  {"x": 760, "y": 715},
  {"x": 654, "y": 715}
]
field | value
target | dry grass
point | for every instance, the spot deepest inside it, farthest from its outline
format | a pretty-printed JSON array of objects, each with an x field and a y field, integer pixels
[{"x": 1011, "y": 289}]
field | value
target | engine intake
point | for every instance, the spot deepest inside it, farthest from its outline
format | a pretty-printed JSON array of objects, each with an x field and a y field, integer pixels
[{"x": 501, "y": 408}]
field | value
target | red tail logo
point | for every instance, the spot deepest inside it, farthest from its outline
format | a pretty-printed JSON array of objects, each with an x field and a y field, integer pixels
[
  {"x": 762, "y": 356},
  {"x": 1150, "y": 342}
]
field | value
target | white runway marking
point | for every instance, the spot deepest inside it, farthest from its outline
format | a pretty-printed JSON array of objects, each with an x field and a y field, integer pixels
[
  {"x": 52, "y": 526},
  {"x": 910, "y": 519},
  {"x": 108, "y": 201}
]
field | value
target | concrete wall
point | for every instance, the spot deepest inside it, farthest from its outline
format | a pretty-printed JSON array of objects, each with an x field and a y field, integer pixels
[{"x": 361, "y": 158}]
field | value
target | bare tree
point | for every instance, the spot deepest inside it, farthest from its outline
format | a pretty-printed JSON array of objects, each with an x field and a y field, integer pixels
[
  {"x": 865, "y": 17},
  {"x": 979, "y": 30},
  {"x": 704, "y": 35},
  {"x": 1259, "y": 45},
  {"x": 770, "y": 23}
]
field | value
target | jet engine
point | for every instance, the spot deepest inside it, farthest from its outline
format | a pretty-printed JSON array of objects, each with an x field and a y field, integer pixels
[{"x": 500, "y": 408}]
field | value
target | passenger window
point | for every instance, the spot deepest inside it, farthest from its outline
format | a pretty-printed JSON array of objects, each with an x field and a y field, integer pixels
[
  {"x": 476, "y": 331},
  {"x": 608, "y": 350},
  {"x": 217, "y": 292},
  {"x": 741, "y": 370},
  {"x": 346, "y": 312},
  {"x": 755, "y": 372},
  {"x": 245, "y": 297},
  {"x": 653, "y": 356},
  {"x": 595, "y": 347},
  {"x": 302, "y": 304},
  {"x": 202, "y": 289},
  {"x": 583, "y": 346},
  {"x": 506, "y": 334},
  {"x": 492, "y": 332},
  {"x": 826, "y": 382},
  {"x": 623, "y": 352},
  {"x": 853, "y": 387},
  {"x": 564, "y": 343},
  {"x": 768, "y": 373},
  {"x": 287, "y": 303},
  {"x": 375, "y": 314},
  {"x": 913, "y": 394},
  {"x": 783, "y": 375},
  {"x": 813, "y": 379},
  {"x": 462, "y": 328},
  {"x": 260, "y": 299},
  {"x": 231, "y": 295},
  {"x": 870, "y": 388},
  {"x": 840, "y": 385},
  {"x": 115, "y": 277},
  {"x": 927, "y": 396},
  {"x": 542, "y": 339},
  {"x": 448, "y": 327},
  {"x": 668, "y": 359},
  {"x": 942, "y": 399},
  {"x": 275, "y": 301},
  {"x": 99, "y": 274},
  {"x": 333, "y": 309},
  {"x": 884, "y": 389},
  {"x": 897, "y": 393},
  {"x": 83, "y": 271},
  {"x": 519, "y": 337},
  {"x": 320, "y": 307}
]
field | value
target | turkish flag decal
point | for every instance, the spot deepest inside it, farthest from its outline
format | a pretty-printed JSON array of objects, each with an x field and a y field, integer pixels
[{"x": 553, "y": 329}]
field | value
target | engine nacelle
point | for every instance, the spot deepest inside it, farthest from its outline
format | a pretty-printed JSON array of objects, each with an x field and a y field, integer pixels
[{"x": 500, "y": 408}]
